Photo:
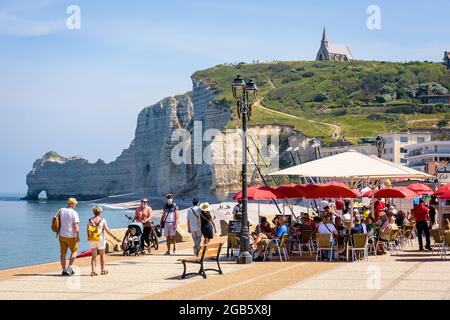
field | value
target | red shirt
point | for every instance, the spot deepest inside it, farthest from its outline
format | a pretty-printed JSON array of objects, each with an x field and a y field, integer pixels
[
  {"x": 421, "y": 213},
  {"x": 340, "y": 204}
]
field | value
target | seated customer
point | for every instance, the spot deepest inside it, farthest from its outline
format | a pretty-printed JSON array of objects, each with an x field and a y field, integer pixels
[
  {"x": 264, "y": 226},
  {"x": 326, "y": 227},
  {"x": 263, "y": 239},
  {"x": 384, "y": 228},
  {"x": 371, "y": 231},
  {"x": 359, "y": 227},
  {"x": 401, "y": 219}
]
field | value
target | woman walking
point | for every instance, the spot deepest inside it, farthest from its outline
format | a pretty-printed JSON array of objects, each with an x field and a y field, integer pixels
[
  {"x": 208, "y": 226},
  {"x": 169, "y": 221},
  {"x": 97, "y": 240}
]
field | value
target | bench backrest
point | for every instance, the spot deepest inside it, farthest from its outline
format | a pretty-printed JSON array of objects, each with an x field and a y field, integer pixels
[{"x": 210, "y": 250}]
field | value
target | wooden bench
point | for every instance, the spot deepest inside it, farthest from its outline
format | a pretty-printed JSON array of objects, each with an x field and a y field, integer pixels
[{"x": 208, "y": 252}]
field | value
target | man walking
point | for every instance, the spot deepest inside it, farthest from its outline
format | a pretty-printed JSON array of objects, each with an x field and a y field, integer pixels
[
  {"x": 69, "y": 235},
  {"x": 421, "y": 214},
  {"x": 193, "y": 222},
  {"x": 144, "y": 215}
]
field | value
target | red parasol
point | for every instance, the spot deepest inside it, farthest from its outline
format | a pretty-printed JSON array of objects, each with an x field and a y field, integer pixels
[
  {"x": 292, "y": 191},
  {"x": 260, "y": 193},
  {"x": 442, "y": 190},
  {"x": 395, "y": 193},
  {"x": 333, "y": 190},
  {"x": 421, "y": 189}
]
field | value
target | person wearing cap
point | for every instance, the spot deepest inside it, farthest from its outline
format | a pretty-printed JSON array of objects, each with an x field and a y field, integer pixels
[
  {"x": 144, "y": 215},
  {"x": 99, "y": 246},
  {"x": 69, "y": 235},
  {"x": 170, "y": 219},
  {"x": 193, "y": 223}
]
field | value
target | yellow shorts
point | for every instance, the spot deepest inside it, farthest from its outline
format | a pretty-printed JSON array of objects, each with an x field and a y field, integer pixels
[{"x": 70, "y": 243}]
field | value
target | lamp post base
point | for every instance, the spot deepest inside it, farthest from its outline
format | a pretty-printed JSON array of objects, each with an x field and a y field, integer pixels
[{"x": 244, "y": 258}]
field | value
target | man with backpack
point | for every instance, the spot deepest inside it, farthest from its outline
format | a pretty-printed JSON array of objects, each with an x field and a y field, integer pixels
[
  {"x": 69, "y": 235},
  {"x": 193, "y": 222}
]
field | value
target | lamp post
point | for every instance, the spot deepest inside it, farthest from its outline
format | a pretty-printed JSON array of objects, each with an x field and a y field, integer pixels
[
  {"x": 380, "y": 143},
  {"x": 245, "y": 95}
]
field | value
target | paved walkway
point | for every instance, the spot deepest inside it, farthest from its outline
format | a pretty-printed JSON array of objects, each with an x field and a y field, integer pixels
[{"x": 410, "y": 275}]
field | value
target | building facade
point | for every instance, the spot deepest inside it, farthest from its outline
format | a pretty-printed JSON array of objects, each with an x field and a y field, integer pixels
[
  {"x": 428, "y": 156},
  {"x": 332, "y": 51},
  {"x": 396, "y": 143}
]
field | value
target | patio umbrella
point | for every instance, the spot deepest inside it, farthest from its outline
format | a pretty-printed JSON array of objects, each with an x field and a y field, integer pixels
[
  {"x": 420, "y": 189},
  {"x": 260, "y": 193},
  {"x": 395, "y": 193},
  {"x": 442, "y": 190},
  {"x": 292, "y": 191},
  {"x": 445, "y": 195},
  {"x": 333, "y": 190},
  {"x": 367, "y": 194}
]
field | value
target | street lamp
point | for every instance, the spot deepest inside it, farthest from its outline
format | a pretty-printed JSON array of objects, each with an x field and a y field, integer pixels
[
  {"x": 245, "y": 95},
  {"x": 380, "y": 143}
]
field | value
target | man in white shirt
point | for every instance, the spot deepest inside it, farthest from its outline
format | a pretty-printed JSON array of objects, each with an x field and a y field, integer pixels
[
  {"x": 194, "y": 227},
  {"x": 69, "y": 235}
]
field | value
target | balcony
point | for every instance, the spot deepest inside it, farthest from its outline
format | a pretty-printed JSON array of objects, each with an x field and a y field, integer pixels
[{"x": 416, "y": 153}]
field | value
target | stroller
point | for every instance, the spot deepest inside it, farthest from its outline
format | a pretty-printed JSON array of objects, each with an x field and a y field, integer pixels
[{"x": 131, "y": 244}]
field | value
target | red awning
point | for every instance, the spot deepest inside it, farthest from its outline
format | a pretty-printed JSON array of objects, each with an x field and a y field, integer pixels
[
  {"x": 260, "y": 193},
  {"x": 421, "y": 189},
  {"x": 397, "y": 193}
]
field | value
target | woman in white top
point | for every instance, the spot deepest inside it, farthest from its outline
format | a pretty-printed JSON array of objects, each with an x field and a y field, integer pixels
[
  {"x": 327, "y": 227},
  {"x": 100, "y": 245}
]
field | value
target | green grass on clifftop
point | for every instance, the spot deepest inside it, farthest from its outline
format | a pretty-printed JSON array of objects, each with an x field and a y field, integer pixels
[{"x": 363, "y": 98}]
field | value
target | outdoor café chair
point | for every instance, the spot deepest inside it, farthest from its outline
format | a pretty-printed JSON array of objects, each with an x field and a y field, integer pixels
[
  {"x": 406, "y": 235},
  {"x": 439, "y": 241},
  {"x": 234, "y": 246},
  {"x": 446, "y": 235},
  {"x": 392, "y": 241},
  {"x": 305, "y": 241},
  {"x": 280, "y": 246},
  {"x": 372, "y": 245},
  {"x": 324, "y": 244},
  {"x": 359, "y": 243}
]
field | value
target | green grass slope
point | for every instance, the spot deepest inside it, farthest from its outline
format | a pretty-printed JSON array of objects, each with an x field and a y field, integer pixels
[{"x": 361, "y": 98}]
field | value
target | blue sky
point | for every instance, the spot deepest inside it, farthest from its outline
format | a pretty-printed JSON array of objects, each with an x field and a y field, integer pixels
[{"x": 78, "y": 92}]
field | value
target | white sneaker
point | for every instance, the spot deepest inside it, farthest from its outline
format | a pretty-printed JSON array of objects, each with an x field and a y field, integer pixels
[{"x": 70, "y": 270}]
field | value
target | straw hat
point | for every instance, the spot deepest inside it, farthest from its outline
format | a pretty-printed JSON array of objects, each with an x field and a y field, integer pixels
[{"x": 205, "y": 207}]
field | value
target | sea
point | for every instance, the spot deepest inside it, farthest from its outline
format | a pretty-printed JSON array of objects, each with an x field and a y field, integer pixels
[{"x": 25, "y": 234}]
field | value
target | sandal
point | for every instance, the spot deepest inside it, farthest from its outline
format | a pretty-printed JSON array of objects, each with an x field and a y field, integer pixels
[
  {"x": 93, "y": 274},
  {"x": 104, "y": 272}
]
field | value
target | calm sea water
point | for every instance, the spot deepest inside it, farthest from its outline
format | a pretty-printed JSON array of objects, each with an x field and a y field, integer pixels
[{"x": 25, "y": 234}]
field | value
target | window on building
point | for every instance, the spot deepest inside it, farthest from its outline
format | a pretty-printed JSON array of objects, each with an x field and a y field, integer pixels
[
  {"x": 403, "y": 150},
  {"x": 420, "y": 139},
  {"x": 404, "y": 139},
  {"x": 384, "y": 151},
  {"x": 403, "y": 161}
]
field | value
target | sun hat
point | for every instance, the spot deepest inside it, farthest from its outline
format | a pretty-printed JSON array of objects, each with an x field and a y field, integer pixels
[
  {"x": 205, "y": 207},
  {"x": 72, "y": 201}
]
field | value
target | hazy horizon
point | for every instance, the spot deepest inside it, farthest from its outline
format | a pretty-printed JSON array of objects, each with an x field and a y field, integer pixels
[{"x": 78, "y": 92}]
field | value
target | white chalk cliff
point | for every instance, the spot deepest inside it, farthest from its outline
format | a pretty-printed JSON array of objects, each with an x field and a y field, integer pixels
[{"x": 146, "y": 166}]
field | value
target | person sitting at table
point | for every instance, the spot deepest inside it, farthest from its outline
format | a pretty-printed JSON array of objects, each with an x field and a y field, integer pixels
[
  {"x": 346, "y": 216},
  {"x": 371, "y": 230},
  {"x": 359, "y": 227},
  {"x": 394, "y": 226},
  {"x": 401, "y": 219},
  {"x": 384, "y": 228},
  {"x": 262, "y": 240},
  {"x": 365, "y": 212},
  {"x": 327, "y": 227},
  {"x": 340, "y": 228},
  {"x": 264, "y": 226}
]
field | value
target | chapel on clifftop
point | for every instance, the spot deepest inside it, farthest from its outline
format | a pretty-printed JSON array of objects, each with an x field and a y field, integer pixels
[{"x": 333, "y": 52}]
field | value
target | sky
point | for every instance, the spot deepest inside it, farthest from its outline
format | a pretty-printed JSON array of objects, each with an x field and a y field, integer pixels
[{"x": 78, "y": 91}]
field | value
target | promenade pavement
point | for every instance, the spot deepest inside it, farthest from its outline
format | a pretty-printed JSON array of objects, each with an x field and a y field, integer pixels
[{"x": 410, "y": 275}]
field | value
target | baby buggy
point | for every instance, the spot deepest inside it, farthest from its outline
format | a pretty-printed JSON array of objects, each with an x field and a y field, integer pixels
[{"x": 131, "y": 244}]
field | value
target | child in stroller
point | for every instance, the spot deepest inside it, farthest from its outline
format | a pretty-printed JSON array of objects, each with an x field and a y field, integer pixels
[{"x": 131, "y": 243}]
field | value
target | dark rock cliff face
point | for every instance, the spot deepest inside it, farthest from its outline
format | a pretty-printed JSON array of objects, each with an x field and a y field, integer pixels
[{"x": 146, "y": 166}]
